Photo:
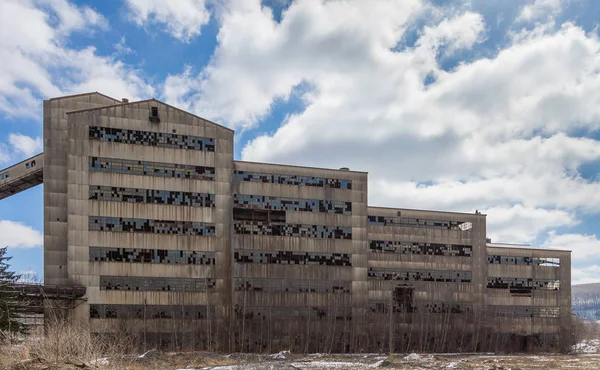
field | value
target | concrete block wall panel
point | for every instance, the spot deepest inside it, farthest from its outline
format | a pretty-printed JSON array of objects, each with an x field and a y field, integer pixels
[
  {"x": 56, "y": 180},
  {"x": 536, "y": 299},
  {"x": 356, "y": 248},
  {"x": 134, "y": 116}
]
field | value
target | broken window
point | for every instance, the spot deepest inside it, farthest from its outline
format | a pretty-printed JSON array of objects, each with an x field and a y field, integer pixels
[
  {"x": 292, "y": 180},
  {"x": 120, "y": 224}
]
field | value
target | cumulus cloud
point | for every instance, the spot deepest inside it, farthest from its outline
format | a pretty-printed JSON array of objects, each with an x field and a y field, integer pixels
[
  {"x": 585, "y": 248},
  {"x": 26, "y": 145},
  {"x": 36, "y": 63},
  {"x": 183, "y": 18},
  {"x": 492, "y": 133},
  {"x": 540, "y": 10},
  {"x": 18, "y": 235}
]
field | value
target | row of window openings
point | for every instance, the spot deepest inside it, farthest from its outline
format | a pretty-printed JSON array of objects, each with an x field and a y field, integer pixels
[
  {"x": 291, "y": 204},
  {"x": 311, "y": 231},
  {"x": 291, "y": 285},
  {"x": 416, "y": 222},
  {"x": 522, "y": 285},
  {"x": 292, "y": 258},
  {"x": 145, "y": 168},
  {"x": 529, "y": 261},
  {"x": 440, "y": 276},
  {"x": 119, "y": 224},
  {"x": 159, "y": 256},
  {"x": 140, "y": 311},
  {"x": 420, "y": 307},
  {"x": 145, "y": 283},
  {"x": 131, "y": 195},
  {"x": 524, "y": 311},
  {"x": 431, "y": 249},
  {"x": 28, "y": 165},
  {"x": 149, "y": 138},
  {"x": 299, "y": 180},
  {"x": 291, "y": 313}
]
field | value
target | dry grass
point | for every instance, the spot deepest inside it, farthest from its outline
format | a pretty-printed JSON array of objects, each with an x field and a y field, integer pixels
[{"x": 63, "y": 344}]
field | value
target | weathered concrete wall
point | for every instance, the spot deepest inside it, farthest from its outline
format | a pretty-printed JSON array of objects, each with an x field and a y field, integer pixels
[
  {"x": 192, "y": 249},
  {"x": 308, "y": 293},
  {"x": 135, "y": 116},
  {"x": 56, "y": 180}
]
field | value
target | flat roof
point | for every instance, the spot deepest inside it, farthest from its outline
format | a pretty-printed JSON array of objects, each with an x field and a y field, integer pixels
[
  {"x": 144, "y": 101},
  {"x": 429, "y": 210},
  {"x": 523, "y": 246},
  {"x": 298, "y": 166}
]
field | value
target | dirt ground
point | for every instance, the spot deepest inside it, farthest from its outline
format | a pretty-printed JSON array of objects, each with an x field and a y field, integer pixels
[{"x": 284, "y": 360}]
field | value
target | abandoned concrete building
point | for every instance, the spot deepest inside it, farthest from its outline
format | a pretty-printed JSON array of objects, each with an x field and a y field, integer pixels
[{"x": 180, "y": 244}]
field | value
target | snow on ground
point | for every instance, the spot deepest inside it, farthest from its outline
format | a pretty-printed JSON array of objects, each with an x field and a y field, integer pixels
[{"x": 587, "y": 346}]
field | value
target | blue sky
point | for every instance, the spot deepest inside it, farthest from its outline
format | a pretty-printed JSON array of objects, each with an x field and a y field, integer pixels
[{"x": 449, "y": 105}]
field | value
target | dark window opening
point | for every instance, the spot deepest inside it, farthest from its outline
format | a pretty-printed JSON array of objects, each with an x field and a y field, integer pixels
[
  {"x": 244, "y": 214},
  {"x": 154, "y": 114}
]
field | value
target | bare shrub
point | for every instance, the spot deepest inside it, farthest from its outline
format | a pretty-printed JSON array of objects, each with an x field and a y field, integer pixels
[{"x": 65, "y": 342}]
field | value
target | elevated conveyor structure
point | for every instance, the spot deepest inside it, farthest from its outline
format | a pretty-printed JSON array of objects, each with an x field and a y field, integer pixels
[{"x": 22, "y": 176}]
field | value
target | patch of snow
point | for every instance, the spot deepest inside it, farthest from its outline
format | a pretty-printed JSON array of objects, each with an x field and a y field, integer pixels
[
  {"x": 381, "y": 363},
  {"x": 145, "y": 354},
  {"x": 323, "y": 365},
  {"x": 99, "y": 362},
  {"x": 281, "y": 355},
  {"x": 452, "y": 365},
  {"x": 587, "y": 346},
  {"x": 412, "y": 357}
]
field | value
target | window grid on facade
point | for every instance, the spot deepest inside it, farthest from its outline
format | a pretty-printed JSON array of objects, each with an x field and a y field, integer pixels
[
  {"x": 4, "y": 175},
  {"x": 286, "y": 229},
  {"x": 291, "y": 204},
  {"x": 149, "y": 196},
  {"x": 383, "y": 306},
  {"x": 522, "y": 285},
  {"x": 298, "y": 180},
  {"x": 417, "y": 222},
  {"x": 140, "y": 311},
  {"x": 439, "y": 276},
  {"x": 145, "y": 168},
  {"x": 529, "y": 261},
  {"x": 292, "y": 258},
  {"x": 291, "y": 285},
  {"x": 431, "y": 249},
  {"x": 524, "y": 311},
  {"x": 119, "y": 224},
  {"x": 160, "y": 284},
  {"x": 160, "y": 256},
  {"x": 149, "y": 138},
  {"x": 293, "y": 313}
]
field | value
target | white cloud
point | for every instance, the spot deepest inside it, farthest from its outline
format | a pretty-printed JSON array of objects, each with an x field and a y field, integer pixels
[
  {"x": 73, "y": 18},
  {"x": 183, "y": 18},
  {"x": 586, "y": 248},
  {"x": 585, "y": 275},
  {"x": 494, "y": 133},
  {"x": 522, "y": 224},
  {"x": 26, "y": 145},
  {"x": 18, "y": 235},
  {"x": 36, "y": 63},
  {"x": 540, "y": 10}
]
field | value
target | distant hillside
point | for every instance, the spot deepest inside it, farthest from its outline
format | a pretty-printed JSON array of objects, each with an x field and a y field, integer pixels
[{"x": 586, "y": 300}]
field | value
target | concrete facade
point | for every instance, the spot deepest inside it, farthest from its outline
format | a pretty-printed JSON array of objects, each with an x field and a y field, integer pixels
[{"x": 176, "y": 241}]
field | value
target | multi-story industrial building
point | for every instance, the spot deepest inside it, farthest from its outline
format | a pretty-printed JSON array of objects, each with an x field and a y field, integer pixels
[{"x": 173, "y": 239}]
